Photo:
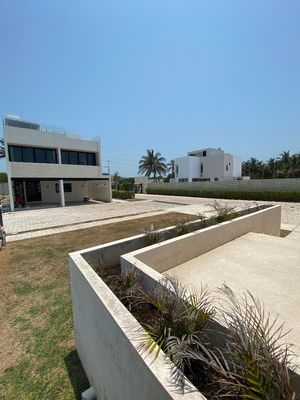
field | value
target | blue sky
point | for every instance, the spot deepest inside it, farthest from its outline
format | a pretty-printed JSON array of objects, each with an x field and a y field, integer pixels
[{"x": 170, "y": 75}]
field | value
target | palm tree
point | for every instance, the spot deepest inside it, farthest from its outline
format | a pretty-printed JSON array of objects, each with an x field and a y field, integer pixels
[
  {"x": 271, "y": 167},
  {"x": 152, "y": 163},
  {"x": 2, "y": 148},
  {"x": 284, "y": 161},
  {"x": 285, "y": 157},
  {"x": 294, "y": 166},
  {"x": 254, "y": 166},
  {"x": 171, "y": 168}
]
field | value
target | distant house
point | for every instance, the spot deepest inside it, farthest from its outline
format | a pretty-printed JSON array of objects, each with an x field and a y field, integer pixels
[
  {"x": 207, "y": 165},
  {"x": 51, "y": 166}
]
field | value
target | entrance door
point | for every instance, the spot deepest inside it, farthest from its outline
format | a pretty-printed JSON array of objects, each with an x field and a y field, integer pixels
[
  {"x": 33, "y": 191},
  {"x": 19, "y": 193}
]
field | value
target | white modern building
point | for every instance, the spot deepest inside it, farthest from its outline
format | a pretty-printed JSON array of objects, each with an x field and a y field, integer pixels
[
  {"x": 207, "y": 165},
  {"x": 49, "y": 166}
]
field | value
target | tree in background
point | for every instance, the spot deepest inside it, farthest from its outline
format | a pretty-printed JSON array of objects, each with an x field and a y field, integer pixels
[
  {"x": 115, "y": 179},
  {"x": 284, "y": 166},
  {"x": 171, "y": 168},
  {"x": 2, "y": 148},
  {"x": 152, "y": 163}
]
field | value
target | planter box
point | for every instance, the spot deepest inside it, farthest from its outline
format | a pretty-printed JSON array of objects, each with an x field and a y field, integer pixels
[
  {"x": 107, "y": 335},
  {"x": 166, "y": 255}
]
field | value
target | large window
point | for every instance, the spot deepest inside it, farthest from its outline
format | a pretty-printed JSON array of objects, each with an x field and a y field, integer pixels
[
  {"x": 32, "y": 154},
  {"x": 67, "y": 187},
  {"x": 77, "y": 157}
]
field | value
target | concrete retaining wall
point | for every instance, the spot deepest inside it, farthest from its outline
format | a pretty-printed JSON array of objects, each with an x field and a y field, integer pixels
[
  {"x": 168, "y": 254},
  {"x": 108, "y": 255},
  {"x": 108, "y": 337},
  {"x": 107, "y": 343},
  {"x": 255, "y": 184}
]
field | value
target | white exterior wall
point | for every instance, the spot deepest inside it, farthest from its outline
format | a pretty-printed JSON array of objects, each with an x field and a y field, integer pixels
[
  {"x": 228, "y": 161},
  {"x": 49, "y": 195},
  {"x": 214, "y": 165},
  {"x": 36, "y": 138},
  {"x": 237, "y": 167},
  {"x": 67, "y": 172},
  {"x": 194, "y": 168},
  {"x": 188, "y": 168},
  {"x": 100, "y": 190}
]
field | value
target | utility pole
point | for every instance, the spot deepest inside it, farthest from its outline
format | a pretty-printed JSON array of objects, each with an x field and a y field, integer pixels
[{"x": 108, "y": 167}]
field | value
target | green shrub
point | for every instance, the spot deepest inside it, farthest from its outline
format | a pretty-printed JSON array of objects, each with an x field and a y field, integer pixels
[
  {"x": 223, "y": 211},
  {"x": 178, "y": 322},
  {"x": 264, "y": 195},
  {"x": 123, "y": 194},
  {"x": 182, "y": 226},
  {"x": 3, "y": 177},
  {"x": 126, "y": 186},
  {"x": 152, "y": 235},
  {"x": 259, "y": 361}
]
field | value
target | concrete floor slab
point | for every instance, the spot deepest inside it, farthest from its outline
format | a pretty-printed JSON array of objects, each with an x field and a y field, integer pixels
[{"x": 267, "y": 266}]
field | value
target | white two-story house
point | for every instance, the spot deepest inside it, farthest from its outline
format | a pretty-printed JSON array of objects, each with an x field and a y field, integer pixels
[
  {"x": 207, "y": 165},
  {"x": 47, "y": 166}
]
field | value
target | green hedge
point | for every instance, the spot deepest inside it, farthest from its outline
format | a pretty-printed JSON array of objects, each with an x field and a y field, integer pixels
[
  {"x": 123, "y": 194},
  {"x": 265, "y": 195}
]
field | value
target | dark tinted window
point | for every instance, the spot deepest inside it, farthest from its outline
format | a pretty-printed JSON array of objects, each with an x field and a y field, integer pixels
[
  {"x": 204, "y": 153},
  {"x": 67, "y": 187},
  {"x": 73, "y": 157},
  {"x": 15, "y": 153},
  {"x": 77, "y": 157},
  {"x": 64, "y": 157},
  {"x": 40, "y": 155},
  {"x": 82, "y": 158},
  {"x": 28, "y": 154},
  {"x": 51, "y": 156},
  {"x": 32, "y": 154},
  {"x": 91, "y": 159}
]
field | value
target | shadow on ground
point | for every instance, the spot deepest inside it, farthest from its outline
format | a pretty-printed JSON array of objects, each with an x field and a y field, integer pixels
[{"x": 76, "y": 373}]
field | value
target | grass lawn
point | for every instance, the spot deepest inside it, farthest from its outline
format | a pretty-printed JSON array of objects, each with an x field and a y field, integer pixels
[{"x": 37, "y": 354}]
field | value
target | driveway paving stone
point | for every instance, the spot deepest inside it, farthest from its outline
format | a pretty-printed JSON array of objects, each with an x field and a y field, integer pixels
[{"x": 40, "y": 222}]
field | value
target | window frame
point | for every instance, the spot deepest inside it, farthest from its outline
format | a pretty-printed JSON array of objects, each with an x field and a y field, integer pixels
[
  {"x": 82, "y": 157},
  {"x": 35, "y": 150},
  {"x": 67, "y": 187}
]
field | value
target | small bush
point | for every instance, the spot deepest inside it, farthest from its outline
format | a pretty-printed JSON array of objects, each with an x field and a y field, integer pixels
[
  {"x": 123, "y": 194},
  {"x": 264, "y": 195},
  {"x": 179, "y": 321},
  {"x": 126, "y": 186},
  {"x": 153, "y": 235},
  {"x": 223, "y": 212},
  {"x": 259, "y": 364},
  {"x": 183, "y": 226},
  {"x": 123, "y": 285}
]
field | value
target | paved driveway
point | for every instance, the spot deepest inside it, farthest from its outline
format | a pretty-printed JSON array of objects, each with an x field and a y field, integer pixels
[
  {"x": 31, "y": 223},
  {"x": 30, "y": 220}
]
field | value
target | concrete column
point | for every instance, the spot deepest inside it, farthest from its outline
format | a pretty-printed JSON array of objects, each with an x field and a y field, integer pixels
[
  {"x": 61, "y": 192},
  {"x": 25, "y": 193},
  {"x": 99, "y": 157},
  {"x": 11, "y": 195},
  {"x": 58, "y": 151}
]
